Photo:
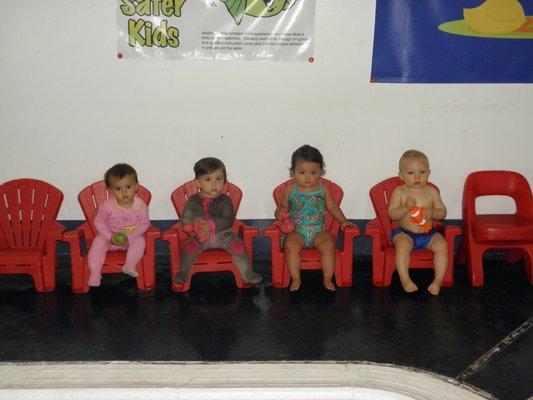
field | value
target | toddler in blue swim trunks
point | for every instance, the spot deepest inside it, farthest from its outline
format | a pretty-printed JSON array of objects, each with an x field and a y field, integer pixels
[
  {"x": 307, "y": 200},
  {"x": 414, "y": 171}
]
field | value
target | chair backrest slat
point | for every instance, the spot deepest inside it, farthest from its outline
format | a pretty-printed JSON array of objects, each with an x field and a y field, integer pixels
[{"x": 28, "y": 208}]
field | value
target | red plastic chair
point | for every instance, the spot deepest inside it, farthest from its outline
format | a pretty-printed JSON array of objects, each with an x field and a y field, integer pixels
[
  {"x": 310, "y": 258},
  {"x": 484, "y": 232},
  {"x": 89, "y": 199},
  {"x": 210, "y": 260},
  {"x": 383, "y": 252},
  {"x": 29, "y": 230}
]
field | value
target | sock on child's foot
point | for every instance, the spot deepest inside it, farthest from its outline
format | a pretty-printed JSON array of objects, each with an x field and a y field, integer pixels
[
  {"x": 130, "y": 272},
  {"x": 95, "y": 279},
  {"x": 253, "y": 278},
  {"x": 180, "y": 277}
]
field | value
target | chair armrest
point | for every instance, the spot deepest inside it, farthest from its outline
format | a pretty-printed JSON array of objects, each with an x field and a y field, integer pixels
[
  {"x": 248, "y": 232},
  {"x": 349, "y": 233},
  {"x": 152, "y": 233},
  {"x": 273, "y": 232},
  {"x": 374, "y": 230},
  {"x": 73, "y": 238},
  {"x": 54, "y": 235},
  {"x": 450, "y": 232},
  {"x": 171, "y": 236}
]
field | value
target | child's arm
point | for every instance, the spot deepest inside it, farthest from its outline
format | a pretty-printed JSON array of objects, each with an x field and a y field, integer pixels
[
  {"x": 144, "y": 222},
  {"x": 283, "y": 207},
  {"x": 334, "y": 209},
  {"x": 100, "y": 221},
  {"x": 439, "y": 209},
  {"x": 396, "y": 209}
]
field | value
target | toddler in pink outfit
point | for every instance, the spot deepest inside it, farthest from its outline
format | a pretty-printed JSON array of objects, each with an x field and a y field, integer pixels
[{"x": 121, "y": 222}]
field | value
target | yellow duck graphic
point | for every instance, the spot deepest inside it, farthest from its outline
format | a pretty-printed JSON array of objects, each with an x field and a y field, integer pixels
[{"x": 495, "y": 17}]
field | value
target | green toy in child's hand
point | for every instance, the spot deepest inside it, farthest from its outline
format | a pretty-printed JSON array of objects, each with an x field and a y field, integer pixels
[{"x": 120, "y": 238}]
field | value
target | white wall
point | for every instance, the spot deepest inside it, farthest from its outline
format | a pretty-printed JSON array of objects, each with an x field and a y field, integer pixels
[{"x": 70, "y": 109}]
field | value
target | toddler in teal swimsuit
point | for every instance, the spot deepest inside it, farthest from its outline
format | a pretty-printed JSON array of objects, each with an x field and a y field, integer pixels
[{"x": 307, "y": 201}]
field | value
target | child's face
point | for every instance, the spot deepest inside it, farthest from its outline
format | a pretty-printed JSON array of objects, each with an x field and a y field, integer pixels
[
  {"x": 415, "y": 172},
  {"x": 307, "y": 173},
  {"x": 123, "y": 189},
  {"x": 211, "y": 184}
]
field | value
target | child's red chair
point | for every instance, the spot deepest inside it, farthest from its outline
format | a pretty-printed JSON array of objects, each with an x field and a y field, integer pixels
[
  {"x": 310, "y": 257},
  {"x": 29, "y": 230},
  {"x": 483, "y": 232},
  {"x": 383, "y": 252},
  {"x": 210, "y": 260},
  {"x": 89, "y": 199}
]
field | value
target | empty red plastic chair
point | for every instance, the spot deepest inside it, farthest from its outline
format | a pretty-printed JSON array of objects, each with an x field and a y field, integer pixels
[
  {"x": 310, "y": 257},
  {"x": 383, "y": 252},
  {"x": 29, "y": 230},
  {"x": 210, "y": 260},
  {"x": 89, "y": 199},
  {"x": 484, "y": 232}
]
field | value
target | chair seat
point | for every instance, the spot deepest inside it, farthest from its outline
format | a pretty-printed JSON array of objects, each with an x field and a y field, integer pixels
[
  {"x": 20, "y": 256},
  {"x": 213, "y": 255},
  {"x": 417, "y": 256},
  {"x": 502, "y": 228}
]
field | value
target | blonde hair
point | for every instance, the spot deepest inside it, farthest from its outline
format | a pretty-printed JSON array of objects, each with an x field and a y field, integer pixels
[{"x": 413, "y": 154}]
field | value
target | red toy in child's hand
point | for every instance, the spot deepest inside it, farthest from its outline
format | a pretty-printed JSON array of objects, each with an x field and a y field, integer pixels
[
  {"x": 196, "y": 229},
  {"x": 287, "y": 224},
  {"x": 416, "y": 216}
]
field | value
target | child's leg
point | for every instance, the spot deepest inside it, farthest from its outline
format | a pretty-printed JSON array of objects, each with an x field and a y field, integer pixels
[
  {"x": 234, "y": 245},
  {"x": 404, "y": 245},
  {"x": 439, "y": 246},
  {"x": 134, "y": 254},
  {"x": 324, "y": 244},
  {"x": 293, "y": 244},
  {"x": 188, "y": 255},
  {"x": 96, "y": 258}
]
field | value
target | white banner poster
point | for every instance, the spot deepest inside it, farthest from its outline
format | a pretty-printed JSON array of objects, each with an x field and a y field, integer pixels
[{"x": 277, "y": 30}]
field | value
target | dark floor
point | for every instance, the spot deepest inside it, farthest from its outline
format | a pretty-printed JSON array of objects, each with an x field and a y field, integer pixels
[{"x": 217, "y": 322}]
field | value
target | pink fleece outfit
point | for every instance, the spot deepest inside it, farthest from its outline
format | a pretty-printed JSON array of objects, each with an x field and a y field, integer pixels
[{"x": 110, "y": 219}]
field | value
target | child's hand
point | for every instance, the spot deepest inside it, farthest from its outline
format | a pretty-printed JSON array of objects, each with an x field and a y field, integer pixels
[
  {"x": 281, "y": 213},
  {"x": 202, "y": 230},
  {"x": 428, "y": 213},
  {"x": 346, "y": 223},
  {"x": 410, "y": 202},
  {"x": 119, "y": 239}
]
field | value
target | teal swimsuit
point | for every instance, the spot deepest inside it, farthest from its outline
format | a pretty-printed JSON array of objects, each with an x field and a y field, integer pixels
[{"x": 307, "y": 211}]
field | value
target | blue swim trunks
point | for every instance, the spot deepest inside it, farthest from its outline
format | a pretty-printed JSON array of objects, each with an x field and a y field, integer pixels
[{"x": 420, "y": 240}]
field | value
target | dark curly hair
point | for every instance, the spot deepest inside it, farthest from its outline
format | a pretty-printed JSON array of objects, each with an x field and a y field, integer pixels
[
  {"x": 119, "y": 171},
  {"x": 307, "y": 153},
  {"x": 207, "y": 165}
]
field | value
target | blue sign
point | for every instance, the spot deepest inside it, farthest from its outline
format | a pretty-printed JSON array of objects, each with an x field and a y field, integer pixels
[{"x": 460, "y": 41}]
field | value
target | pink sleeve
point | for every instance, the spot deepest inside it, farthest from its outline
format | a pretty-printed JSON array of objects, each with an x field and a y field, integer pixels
[
  {"x": 144, "y": 222},
  {"x": 100, "y": 221}
]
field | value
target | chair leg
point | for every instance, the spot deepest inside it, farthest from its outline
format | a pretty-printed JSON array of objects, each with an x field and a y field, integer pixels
[
  {"x": 528, "y": 262},
  {"x": 513, "y": 256},
  {"x": 475, "y": 266}
]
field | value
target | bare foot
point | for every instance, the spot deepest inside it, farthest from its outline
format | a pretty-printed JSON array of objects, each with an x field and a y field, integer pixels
[
  {"x": 434, "y": 288},
  {"x": 409, "y": 286},
  {"x": 329, "y": 285},
  {"x": 295, "y": 285}
]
